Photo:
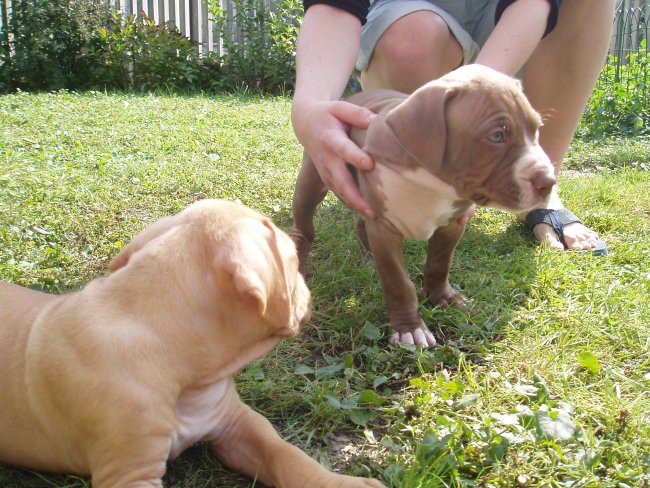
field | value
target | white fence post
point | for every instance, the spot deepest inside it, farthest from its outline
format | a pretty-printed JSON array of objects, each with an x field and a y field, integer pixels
[{"x": 190, "y": 16}]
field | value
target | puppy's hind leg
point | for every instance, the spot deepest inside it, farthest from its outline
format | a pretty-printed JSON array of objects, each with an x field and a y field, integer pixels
[
  {"x": 436, "y": 269},
  {"x": 310, "y": 191},
  {"x": 362, "y": 232}
]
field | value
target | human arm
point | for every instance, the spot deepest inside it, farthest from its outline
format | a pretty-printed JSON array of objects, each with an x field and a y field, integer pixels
[
  {"x": 327, "y": 48},
  {"x": 517, "y": 33}
]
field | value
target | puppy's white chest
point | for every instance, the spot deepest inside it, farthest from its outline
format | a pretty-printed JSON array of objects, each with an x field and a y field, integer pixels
[
  {"x": 199, "y": 413},
  {"x": 416, "y": 202}
]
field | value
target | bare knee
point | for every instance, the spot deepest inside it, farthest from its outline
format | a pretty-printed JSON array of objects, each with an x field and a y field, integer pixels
[{"x": 414, "y": 50}]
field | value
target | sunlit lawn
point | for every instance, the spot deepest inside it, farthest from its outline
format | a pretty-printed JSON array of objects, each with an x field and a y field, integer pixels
[{"x": 543, "y": 382}]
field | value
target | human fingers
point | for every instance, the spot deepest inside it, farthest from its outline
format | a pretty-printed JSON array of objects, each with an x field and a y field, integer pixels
[
  {"x": 341, "y": 181},
  {"x": 344, "y": 186},
  {"x": 355, "y": 116},
  {"x": 322, "y": 128}
]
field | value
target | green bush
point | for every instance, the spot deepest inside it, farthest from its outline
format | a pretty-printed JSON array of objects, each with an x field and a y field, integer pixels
[
  {"x": 47, "y": 38},
  {"x": 261, "y": 55},
  {"x": 82, "y": 44},
  {"x": 619, "y": 104},
  {"x": 135, "y": 53}
]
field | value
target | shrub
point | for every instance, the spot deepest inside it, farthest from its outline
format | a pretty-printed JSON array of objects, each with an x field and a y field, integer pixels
[
  {"x": 47, "y": 37},
  {"x": 619, "y": 104},
  {"x": 76, "y": 44},
  {"x": 260, "y": 55},
  {"x": 136, "y": 53}
]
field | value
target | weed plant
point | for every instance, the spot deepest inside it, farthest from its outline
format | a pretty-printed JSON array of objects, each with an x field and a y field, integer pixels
[
  {"x": 260, "y": 55},
  {"x": 135, "y": 53},
  {"x": 619, "y": 103},
  {"x": 543, "y": 382}
]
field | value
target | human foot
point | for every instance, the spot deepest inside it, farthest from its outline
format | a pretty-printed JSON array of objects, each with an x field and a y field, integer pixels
[{"x": 561, "y": 229}]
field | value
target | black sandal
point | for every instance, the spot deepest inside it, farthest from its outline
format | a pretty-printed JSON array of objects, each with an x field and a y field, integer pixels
[{"x": 557, "y": 219}]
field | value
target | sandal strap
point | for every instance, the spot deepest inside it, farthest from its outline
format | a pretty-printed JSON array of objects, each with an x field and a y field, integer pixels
[{"x": 557, "y": 219}]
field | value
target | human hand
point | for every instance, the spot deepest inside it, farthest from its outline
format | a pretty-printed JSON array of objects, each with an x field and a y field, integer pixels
[{"x": 322, "y": 127}]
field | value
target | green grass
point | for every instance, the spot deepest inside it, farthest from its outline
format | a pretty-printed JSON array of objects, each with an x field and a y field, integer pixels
[{"x": 544, "y": 381}]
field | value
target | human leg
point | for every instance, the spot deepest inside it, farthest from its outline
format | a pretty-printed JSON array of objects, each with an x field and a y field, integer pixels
[
  {"x": 558, "y": 80},
  {"x": 407, "y": 43},
  {"x": 404, "y": 61}
]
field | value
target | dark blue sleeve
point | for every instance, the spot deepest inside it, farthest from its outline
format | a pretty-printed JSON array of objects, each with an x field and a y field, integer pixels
[
  {"x": 358, "y": 8},
  {"x": 552, "y": 16}
]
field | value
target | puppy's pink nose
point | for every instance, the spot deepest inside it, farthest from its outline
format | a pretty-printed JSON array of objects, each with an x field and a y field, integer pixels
[{"x": 543, "y": 182}]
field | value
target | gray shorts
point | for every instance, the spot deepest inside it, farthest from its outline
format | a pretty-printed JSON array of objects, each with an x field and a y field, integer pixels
[{"x": 469, "y": 21}]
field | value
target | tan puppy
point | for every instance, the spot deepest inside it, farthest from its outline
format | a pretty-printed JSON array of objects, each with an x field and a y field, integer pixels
[
  {"x": 117, "y": 378},
  {"x": 470, "y": 137}
]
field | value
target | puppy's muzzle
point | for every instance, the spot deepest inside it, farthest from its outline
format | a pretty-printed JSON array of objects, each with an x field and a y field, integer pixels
[{"x": 543, "y": 183}]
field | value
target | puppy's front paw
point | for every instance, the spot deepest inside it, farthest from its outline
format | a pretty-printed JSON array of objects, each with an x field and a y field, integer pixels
[{"x": 420, "y": 336}]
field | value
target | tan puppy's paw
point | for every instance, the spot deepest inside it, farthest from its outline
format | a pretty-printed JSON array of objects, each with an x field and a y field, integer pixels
[
  {"x": 342, "y": 481},
  {"x": 373, "y": 483}
]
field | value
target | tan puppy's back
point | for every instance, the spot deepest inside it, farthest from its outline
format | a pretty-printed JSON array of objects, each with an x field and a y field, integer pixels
[
  {"x": 19, "y": 308},
  {"x": 75, "y": 367},
  {"x": 118, "y": 378}
]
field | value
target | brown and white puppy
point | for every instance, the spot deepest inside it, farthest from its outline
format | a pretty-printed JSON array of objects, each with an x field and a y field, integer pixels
[
  {"x": 118, "y": 378},
  {"x": 470, "y": 137}
]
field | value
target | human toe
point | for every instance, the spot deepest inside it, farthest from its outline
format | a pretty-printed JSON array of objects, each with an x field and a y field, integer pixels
[
  {"x": 545, "y": 234},
  {"x": 580, "y": 238}
]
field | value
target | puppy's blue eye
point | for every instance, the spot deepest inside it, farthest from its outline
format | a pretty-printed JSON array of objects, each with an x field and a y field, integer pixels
[{"x": 496, "y": 137}]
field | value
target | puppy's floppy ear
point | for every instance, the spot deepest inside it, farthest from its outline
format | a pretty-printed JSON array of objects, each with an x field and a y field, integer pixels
[
  {"x": 155, "y": 230},
  {"x": 250, "y": 253},
  {"x": 419, "y": 123}
]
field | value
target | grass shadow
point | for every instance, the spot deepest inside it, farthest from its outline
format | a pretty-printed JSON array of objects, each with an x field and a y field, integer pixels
[
  {"x": 14, "y": 477},
  {"x": 493, "y": 269}
]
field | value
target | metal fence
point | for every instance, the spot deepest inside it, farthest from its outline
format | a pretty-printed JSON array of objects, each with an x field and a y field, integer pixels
[
  {"x": 193, "y": 20},
  {"x": 622, "y": 86},
  {"x": 630, "y": 28},
  {"x": 190, "y": 16}
]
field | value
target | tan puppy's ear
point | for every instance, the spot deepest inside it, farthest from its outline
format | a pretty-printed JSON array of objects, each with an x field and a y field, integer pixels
[
  {"x": 250, "y": 253},
  {"x": 122, "y": 258},
  {"x": 419, "y": 124},
  {"x": 157, "y": 229}
]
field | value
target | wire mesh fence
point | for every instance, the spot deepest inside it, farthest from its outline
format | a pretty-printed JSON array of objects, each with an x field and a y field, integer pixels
[
  {"x": 619, "y": 103},
  {"x": 630, "y": 32}
]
